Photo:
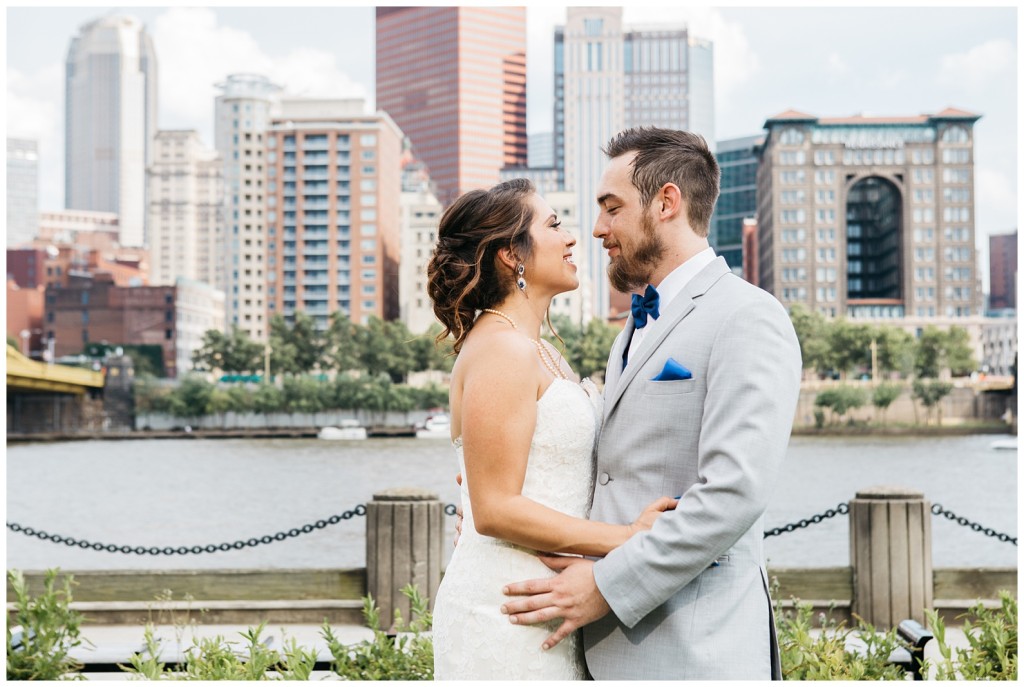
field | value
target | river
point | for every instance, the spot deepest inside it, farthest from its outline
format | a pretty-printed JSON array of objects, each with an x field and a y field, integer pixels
[{"x": 166, "y": 492}]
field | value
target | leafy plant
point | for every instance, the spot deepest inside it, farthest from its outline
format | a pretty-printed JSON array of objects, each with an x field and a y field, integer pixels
[
  {"x": 883, "y": 396},
  {"x": 823, "y": 655},
  {"x": 50, "y": 629},
  {"x": 992, "y": 643},
  {"x": 841, "y": 399},
  {"x": 409, "y": 655},
  {"x": 931, "y": 392}
]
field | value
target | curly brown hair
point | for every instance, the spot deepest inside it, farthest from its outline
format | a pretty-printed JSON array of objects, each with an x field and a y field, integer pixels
[{"x": 464, "y": 274}]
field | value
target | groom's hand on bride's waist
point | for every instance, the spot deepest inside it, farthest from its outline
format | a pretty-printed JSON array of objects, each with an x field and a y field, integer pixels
[{"x": 571, "y": 595}]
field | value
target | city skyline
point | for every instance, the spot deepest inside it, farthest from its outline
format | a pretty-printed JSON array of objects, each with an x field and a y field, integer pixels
[{"x": 949, "y": 56}]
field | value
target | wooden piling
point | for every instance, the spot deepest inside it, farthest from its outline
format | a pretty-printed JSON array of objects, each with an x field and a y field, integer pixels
[
  {"x": 890, "y": 552},
  {"x": 404, "y": 537}
]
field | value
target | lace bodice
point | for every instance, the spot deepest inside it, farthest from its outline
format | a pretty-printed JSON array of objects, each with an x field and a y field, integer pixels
[
  {"x": 472, "y": 639},
  {"x": 559, "y": 472}
]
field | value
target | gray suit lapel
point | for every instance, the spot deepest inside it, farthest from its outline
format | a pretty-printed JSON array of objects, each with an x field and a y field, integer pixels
[
  {"x": 681, "y": 306},
  {"x": 614, "y": 368}
]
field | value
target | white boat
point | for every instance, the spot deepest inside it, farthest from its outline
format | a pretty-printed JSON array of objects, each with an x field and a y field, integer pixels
[
  {"x": 435, "y": 427},
  {"x": 1004, "y": 444},
  {"x": 350, "y": 430}
]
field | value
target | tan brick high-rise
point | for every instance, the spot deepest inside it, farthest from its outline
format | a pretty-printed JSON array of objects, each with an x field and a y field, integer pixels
[{"x": 869, "y": 217}]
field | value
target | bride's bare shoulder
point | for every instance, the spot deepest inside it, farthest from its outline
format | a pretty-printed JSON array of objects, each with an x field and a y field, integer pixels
[{"x": 494, "y": 351}]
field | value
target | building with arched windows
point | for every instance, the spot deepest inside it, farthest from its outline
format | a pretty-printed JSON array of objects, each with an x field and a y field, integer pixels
[{"x": 869, "y": 217}]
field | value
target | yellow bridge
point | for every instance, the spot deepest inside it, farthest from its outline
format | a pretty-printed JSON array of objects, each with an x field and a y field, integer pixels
[{"x": 24, "y": 374}]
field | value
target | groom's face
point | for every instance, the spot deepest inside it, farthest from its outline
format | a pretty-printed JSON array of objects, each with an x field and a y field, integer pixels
[{"x": 627, "y": 230}]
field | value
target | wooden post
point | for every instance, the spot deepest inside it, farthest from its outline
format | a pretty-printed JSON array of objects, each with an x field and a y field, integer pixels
[
  {"x": 891, "y": 555},
  {"x": 404, "y": 537}
]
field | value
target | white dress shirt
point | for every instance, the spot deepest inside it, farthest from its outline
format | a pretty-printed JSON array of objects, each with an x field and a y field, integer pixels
[{"x": 669, "y": 288}]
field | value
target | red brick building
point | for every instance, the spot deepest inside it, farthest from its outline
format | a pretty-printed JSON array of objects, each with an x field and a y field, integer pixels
[
  {"x": 1002, "y": 261},
  {"x": 97, "y": 310}
]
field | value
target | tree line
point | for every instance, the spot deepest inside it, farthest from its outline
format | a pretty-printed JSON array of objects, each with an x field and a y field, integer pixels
[{"x": 838, "y": 347}]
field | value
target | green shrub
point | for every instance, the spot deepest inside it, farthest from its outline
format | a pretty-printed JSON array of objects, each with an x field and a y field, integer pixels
[
  {"x": 823, "y": 655},
  {"x": 50, "y": 630},
  {"x": 992, "y": 643},
  {"x": 408, "y": 656}
]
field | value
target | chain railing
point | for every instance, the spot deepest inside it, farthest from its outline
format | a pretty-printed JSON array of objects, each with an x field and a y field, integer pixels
[
  {"x": 185, "y": 550},
  {"x": 449, "y": 509},
  {"x": 937, "y": 509},
  {"x": 841, "y": 509}
]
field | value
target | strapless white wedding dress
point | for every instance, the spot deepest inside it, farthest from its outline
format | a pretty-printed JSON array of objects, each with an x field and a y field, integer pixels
[{"x": 472, "y": 639}]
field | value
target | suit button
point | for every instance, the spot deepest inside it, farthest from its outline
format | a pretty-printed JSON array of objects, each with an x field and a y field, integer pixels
[{"x": 604, "y": 478}]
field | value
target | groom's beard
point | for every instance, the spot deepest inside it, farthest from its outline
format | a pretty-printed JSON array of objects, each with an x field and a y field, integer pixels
[{"x": 631, "y": 272}]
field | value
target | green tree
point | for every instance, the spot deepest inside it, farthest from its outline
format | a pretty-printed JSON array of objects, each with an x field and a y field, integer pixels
[
  {"x": 304, "y": 395},
  {"x": 895, "y": 349},
  {"x": 931, "y": 392},
  {"x": 385, "y": 348},
  {"x": 11, "y": 341},
  {"x": 928, "y": 353},
  {"x": 595, "y": 345},
  {"x": 959, "y": 354},
  {"x": 883, "y": 396},
  {"x": 267, "y": 398},
  {"x": 431, "y": 355},
  {"x": 849, "y": 345},
  {"x": 191, "y": 398},
  {"x": 841, "y": 399},
  {"x": 297, "y": 348},
  {"x": 812, "y": 331},
  {"x": 233, "y": 352},
  {"x": 341, "y": 345}
]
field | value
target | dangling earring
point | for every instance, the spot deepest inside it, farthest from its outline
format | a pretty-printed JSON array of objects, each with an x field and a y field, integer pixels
[{"x": 520, "y": 282}]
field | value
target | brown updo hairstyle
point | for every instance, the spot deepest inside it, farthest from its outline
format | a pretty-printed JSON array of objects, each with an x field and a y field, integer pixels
[{"x": 465, "y": 275}]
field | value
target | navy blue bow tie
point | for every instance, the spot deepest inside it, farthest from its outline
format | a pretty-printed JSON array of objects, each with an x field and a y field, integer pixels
[{"x": 645, "y": 305}]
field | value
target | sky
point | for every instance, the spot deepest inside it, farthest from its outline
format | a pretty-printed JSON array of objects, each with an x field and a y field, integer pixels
[{"x": 827, "y": 61}]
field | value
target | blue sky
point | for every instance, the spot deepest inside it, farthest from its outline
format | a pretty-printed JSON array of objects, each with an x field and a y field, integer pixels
[{"x": 825, "y": 61}]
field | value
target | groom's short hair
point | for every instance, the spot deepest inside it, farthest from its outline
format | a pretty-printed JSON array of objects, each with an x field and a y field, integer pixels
[{"x": 680, "y": 157}]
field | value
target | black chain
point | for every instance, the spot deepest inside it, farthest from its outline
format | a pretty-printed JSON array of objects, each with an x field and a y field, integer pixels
[
  {"x": 841, "y": 509},
  {"x": 937, "y": 509},
  {"x": 183, "y": 550}
]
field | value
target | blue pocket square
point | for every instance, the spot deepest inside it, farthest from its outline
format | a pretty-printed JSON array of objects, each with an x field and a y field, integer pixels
[{"x": 672, "y": 371}]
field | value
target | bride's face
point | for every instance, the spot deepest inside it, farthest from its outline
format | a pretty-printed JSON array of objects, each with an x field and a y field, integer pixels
[{"x": 551, "y": 264}]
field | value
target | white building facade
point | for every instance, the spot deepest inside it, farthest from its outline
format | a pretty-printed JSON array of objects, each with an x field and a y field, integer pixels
[
  {"x": 242, "y": 114},
  {"x": 110, "y": 121},
  {"x": 185, "y": 210},
  {"x": 22, "y": 190}
]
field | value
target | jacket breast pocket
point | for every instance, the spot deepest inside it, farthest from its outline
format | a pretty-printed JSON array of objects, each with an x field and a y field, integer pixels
[{"x": 675, "y": 386}]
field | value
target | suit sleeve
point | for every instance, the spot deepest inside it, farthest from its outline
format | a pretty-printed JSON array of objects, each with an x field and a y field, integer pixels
[{"x": 753, "y": 383}]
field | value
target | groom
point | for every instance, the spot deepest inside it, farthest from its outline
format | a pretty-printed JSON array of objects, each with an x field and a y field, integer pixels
[{"x": 700, "y": 393}]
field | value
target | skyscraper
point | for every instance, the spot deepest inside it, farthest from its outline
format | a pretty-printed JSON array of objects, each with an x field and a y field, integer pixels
[
  {"x": 454, "y": 80},
  {"x": 869, "y": 217},
  {"x": 607, "y": 78},
  {"x": 333, "y": 216},
  {"x": 185, "y": 210},
  {"x": 737, "y": 199},
  {"x": 22, "y": 190},
  {"x": 1002, "y": 261},
  {"x": 241, "y": 117},
  {"x": 110, "y": 121}
]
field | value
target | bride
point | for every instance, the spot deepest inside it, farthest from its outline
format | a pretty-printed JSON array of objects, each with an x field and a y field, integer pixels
[{"x": 524, "y": 431}]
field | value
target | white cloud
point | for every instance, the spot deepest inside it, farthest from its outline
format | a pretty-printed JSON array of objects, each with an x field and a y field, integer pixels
[
  {"x": 188, "y": 74},
  {"x": 996, "y": 200},
  {"x": 836, "y": 67},
  {"x": 979, "y": 67}
]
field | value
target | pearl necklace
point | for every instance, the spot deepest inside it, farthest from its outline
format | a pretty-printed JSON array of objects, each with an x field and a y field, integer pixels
[{"x": 542, "y": 352}]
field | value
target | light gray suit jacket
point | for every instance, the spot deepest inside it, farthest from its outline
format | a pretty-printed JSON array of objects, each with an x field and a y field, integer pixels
[{"x": 690, "y": 597}]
